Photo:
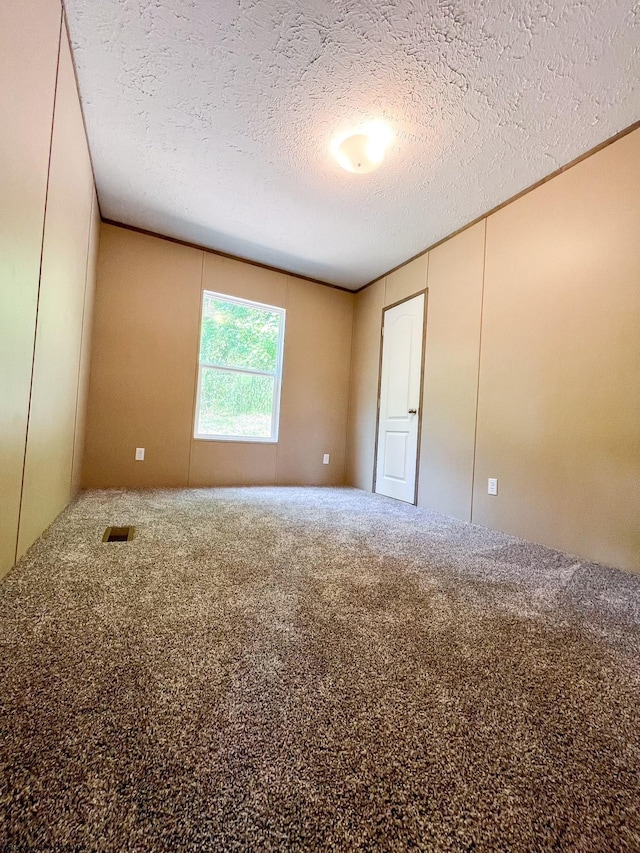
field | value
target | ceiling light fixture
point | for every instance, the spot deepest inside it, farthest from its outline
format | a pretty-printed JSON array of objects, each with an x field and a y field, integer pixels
[{"x": 362, "y": 150}]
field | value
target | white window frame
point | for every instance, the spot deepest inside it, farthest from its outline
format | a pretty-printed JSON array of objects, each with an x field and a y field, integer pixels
[{"x": 277, "y": 374}]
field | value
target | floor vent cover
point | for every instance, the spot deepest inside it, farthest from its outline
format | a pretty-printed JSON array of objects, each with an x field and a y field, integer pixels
[{"x": 118, "y": 534}]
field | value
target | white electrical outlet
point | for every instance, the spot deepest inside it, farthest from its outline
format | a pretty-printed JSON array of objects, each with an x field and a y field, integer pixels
[
  {"x": 492, "y": 486},
  {"x": 139, "y": 454},
  {"x": 325, "y": 459}
]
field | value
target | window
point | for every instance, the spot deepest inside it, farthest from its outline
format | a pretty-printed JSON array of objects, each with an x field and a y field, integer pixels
[{"x": 240, "y": 369}]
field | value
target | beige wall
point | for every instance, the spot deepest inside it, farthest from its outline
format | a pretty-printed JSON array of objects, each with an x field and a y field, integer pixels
[
  {"x": 559, "y": 403},
  {"x": 451, "y": 374},
  {"x": 85, "y": 347},
  {"x": 315, "y": 385},
  {"x": 142, "y": 366},
  {"x": 549, "y": 354},
  {"x": 407, "y": 281},
  {"x": 43, "y": 269},
  {"x": 47, "y": 484},
  {"x": 144, "y": 371},
  {"x": 365, "y": 358},
  {"x": 29, "y": 35}
]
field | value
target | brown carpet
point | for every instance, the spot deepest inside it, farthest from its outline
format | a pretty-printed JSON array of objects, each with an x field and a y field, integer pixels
[{"x": 313, "y": 669}]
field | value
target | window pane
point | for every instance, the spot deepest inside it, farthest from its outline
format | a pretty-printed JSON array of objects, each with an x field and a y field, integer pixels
[
  {"x": 242, "y": 336},
  {"x": 238, "y": 404}
]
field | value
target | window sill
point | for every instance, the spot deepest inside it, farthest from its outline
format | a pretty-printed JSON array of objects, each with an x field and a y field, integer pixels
[{"x": 235, "y": 439}]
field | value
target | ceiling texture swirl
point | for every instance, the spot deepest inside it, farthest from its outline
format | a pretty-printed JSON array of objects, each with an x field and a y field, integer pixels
[{"x": 212, "y": 122}]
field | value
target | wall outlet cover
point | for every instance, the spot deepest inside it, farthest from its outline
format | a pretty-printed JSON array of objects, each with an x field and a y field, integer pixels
[
  {"x": 139, "y": 454},
  {"x": 325, "y": 459},
  {"x": 492, "y": 486}
]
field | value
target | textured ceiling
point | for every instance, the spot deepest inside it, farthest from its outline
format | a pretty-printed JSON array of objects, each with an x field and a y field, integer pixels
[{"x": 212, "y": 121}]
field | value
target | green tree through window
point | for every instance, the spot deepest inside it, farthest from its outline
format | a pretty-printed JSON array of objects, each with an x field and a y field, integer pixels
[{"x": 240, "y": 369}]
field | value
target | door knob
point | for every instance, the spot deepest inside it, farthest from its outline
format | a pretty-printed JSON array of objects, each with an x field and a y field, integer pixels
[{"x": 413, "y": 411}]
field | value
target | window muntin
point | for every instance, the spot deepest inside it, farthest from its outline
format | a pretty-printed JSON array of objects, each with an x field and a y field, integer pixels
[{"x": 240, "y": 369}]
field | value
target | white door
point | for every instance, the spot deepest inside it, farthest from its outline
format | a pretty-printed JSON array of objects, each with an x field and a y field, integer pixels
[{"x": 399, "y": 417}]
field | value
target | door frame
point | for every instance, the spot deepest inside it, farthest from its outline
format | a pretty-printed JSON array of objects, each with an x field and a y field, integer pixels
[{"x": 424, "y": 290}]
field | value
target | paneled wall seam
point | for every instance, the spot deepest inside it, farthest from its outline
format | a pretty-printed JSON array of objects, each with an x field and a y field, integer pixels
[
  {"x": 286, "y": 303},
  {"x": 84, "y": 121},
  {"x": 82, "y": 325},
  {"x": 347, "y": 450},
  {"x": 196, "y": 370},
  {"x": 475, "y": 433},
  {"x": 35, "y": 328}
]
